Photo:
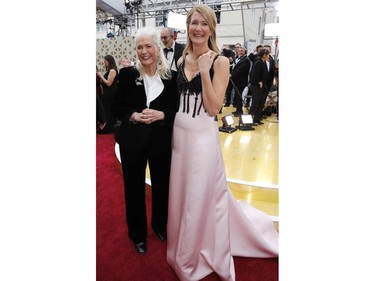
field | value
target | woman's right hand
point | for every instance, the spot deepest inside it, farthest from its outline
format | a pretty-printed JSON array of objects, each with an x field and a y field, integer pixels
[{"x": 205, "y": 61}]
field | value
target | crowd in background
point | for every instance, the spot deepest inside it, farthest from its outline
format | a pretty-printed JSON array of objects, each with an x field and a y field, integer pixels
[
  {"x": 258, "y": 73},
  {"x": 259, "y": 64}
]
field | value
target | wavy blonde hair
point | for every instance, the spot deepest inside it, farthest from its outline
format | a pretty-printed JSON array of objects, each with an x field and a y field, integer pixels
[{"x": 209, "y": 15}]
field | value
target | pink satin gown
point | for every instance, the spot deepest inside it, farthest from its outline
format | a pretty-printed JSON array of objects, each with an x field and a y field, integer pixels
[{"x": 207, "y": 226}]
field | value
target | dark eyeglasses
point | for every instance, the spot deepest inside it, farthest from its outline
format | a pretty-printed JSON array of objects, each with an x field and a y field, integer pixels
[{"x": 164, "y": 37}]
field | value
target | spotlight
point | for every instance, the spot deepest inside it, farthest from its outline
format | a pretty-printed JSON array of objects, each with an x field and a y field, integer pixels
[
  {"x": 245, "y": 122},
  {"x": 227, "y": 124}
]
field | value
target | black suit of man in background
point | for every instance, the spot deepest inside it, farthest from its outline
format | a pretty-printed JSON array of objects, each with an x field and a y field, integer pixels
[
  {"x": 173, "y": 50},
  {"x": 239, "y": 77}
]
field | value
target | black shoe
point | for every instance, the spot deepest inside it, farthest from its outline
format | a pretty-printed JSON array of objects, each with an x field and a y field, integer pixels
[
  {"x": 162, "y": 236},
  {"x": 141, "y": 247},
  {"x": 259, "y": 123}
]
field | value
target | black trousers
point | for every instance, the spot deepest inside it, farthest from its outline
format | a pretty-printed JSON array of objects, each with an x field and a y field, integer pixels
[
  {"x": 238, "y": 101},
  {"x": 228, "y": 94},
  {"x": 256, "y": 103},
  {"x": 265, "y": 95},
  {"x": 140, "y": 144}
]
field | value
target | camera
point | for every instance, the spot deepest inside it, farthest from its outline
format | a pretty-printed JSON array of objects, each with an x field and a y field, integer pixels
[{"x": 227, "y": 53}]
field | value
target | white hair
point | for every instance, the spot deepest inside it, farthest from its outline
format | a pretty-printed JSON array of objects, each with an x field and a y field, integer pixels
[{"x": 162, "y": 67}]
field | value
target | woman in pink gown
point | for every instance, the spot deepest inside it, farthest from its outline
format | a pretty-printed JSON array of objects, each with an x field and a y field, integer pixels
[{"x": 206, "y": 225}]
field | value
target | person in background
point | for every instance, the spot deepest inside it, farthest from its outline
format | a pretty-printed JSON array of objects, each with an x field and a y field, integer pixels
[
  {"x": 269, "y": 83},
  {"x": 239, "y": 78},
  {"x": 172, "y": 50},
  {"x": 236, "y": 57},
  {"x": 227, "y": 52},
  {"x": 258, "y": 79},
  {"x": 207, "y": 226},
  {"x": 100, "y": 113},
  {"x": 229, "y": 93},
  {"x": 109, "y": 84},
  {"x": 253, "y": 55},
  {"x": 145, "y": 103}
]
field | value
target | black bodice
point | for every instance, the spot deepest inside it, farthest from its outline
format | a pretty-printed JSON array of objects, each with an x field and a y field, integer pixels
[{"x": 190, "y": 89}]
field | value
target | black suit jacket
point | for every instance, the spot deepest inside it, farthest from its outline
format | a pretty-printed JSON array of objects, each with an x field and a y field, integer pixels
[
  {"x": 240, "y": 73},
  {"x": 271, "y": 73},
  {"x": 178, "y": 49},
  {"x": 177, "y": 53},
  {"x": 259, "y": 72},
  {"x": 131, "y": 97}
]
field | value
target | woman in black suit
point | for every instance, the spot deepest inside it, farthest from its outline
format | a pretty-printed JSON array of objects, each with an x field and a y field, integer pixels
[{"x": 145, "y": 103}]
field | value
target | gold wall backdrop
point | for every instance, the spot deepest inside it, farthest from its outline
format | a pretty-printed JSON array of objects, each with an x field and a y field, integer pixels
[{"x": 120, "y": 47}]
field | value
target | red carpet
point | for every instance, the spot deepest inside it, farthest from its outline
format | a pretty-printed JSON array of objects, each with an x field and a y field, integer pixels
[{"x": 116, "y": 257}]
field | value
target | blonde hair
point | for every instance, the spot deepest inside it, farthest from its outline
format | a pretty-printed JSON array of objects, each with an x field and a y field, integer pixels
[
  {"x": 162, "y": 67},
  {"x": 209, "y": 15}
]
